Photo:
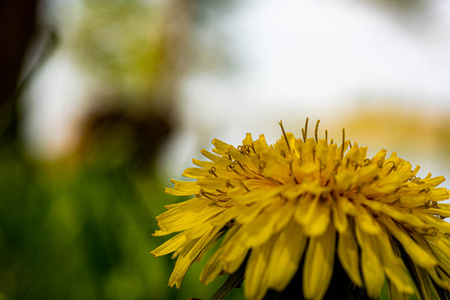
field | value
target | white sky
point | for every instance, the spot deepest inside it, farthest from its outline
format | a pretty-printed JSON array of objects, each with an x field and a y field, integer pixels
[
  {"x": 315, "y": 58},
  {"x": 293, "y": 59}
]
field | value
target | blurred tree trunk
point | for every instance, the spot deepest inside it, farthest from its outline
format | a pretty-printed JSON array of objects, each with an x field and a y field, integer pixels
[{"x": 17, "y": 28}]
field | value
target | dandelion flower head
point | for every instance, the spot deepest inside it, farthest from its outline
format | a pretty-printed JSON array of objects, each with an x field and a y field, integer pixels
[{"x": 303, "y": 203}]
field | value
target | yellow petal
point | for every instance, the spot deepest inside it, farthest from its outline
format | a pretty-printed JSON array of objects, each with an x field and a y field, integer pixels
[
  {"x": 366, "y": 221},
  {"x": 393, "y": 265},
  {"x": 256, "y": 275},
  {"x": 204, "y": 164},
  {"x": 437, "y": 273},
  {"x": 213, "y": 267},
  {"x": 261, "y": 145},
  {"x": 314, "y": 215},
  {"x": 283, "y": 215},
  {"x": 441, "y": 246},
  {"x": 216, "y": 158},
  {"x": 245, "y": 160},
  {"x": 318, "y": 266},
  {"x": 379, "y": 158},
  {"x": 439, "y": 277},
  {"x": 394, "y": 293},
  {"x": 171, "y": 245},
  {"x": 339, "y": 217},
  {"x": 197, "y": 231},
  {"x": 185, "y": 191},
  {"x": 221, "y": 147},
  {"x": 226, "y": 216},
  {"x": 248, "y": 141},
  {"x": 425, "y": 286},
  {"x": 270, "y": 220},
  {"x": 348, "y": 254},
  {"x": 347, "y": 206},
  {"x": 345, "y": 179},
  {"x": 421, "y": 257},
  {"x": 398, "y": 214},
  {"x": 188, "y": 187},
  {"x": 434, "y": 221},
  {"x": 234, "y": 251},
  {"x": 444, "y": 212},
  {"x": 435, "y": 181},
  {"x": 371, "y": 267},
  {"x": 277, "y": 167},
  {"x": 213, "y": 183},
  {"x": 438, "y": 194},
  {"x": 187, "y": 216},
  {"x": 285, "y": 257},
  {"x": 367, "y": 174},
  {"x": 188, "y": 255},
  {"x": 195, "y": 172},
  {"x": 262, "y": 196}
]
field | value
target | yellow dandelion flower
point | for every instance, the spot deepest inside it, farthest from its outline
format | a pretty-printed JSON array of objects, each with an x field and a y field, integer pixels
[{"x": 303, "y": 205}]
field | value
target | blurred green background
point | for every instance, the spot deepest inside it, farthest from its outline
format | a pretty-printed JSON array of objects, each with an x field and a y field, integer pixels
[
  {"x": 78, "y": 225},
  {"x": 102, "y": 102}
]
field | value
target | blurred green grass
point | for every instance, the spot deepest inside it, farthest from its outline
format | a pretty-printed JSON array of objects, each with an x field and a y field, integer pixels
[{"x": 83, "y": 231}]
